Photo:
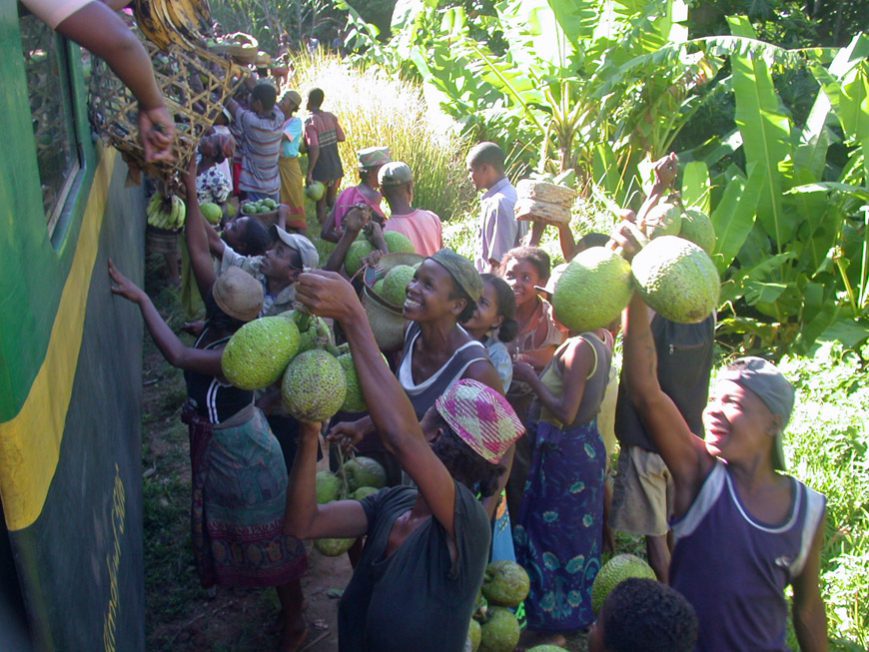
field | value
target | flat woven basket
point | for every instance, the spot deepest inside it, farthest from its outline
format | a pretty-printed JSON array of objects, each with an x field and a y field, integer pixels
[{"x": 194, "y": 83}]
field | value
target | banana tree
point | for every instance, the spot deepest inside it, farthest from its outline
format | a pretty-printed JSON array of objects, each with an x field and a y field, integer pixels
[{"x": 792, "y": 241}]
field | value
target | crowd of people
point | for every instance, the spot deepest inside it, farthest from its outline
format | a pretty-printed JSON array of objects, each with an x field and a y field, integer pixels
[{"x": 486, "y": 416}]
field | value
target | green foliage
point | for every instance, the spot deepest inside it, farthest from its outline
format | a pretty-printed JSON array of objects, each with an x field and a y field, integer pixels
[
  {"x": 376, "y": 109},
  {"x": 787, "y": 214},
  {"x": 826, "y": 446}
]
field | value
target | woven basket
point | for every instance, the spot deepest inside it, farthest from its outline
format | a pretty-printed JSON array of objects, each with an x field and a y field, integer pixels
[
  {"x": 549, "y": 193},
  {"x": 387, "y": 322},
  {"x": 540, "y": 211},
  {"x": 194, "y": 86},
  {"x": 244, "y": 54}
]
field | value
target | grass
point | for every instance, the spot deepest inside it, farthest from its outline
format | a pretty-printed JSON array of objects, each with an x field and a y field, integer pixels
[{"x": 375, "y": 109}]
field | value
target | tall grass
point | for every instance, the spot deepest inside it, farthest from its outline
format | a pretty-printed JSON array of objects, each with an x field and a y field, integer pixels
[
  {"x": 375, "y": 109},
  {"x": 826, "y": 446}
]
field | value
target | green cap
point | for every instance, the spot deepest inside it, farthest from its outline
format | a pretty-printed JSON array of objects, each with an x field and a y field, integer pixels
[{"x": 463, "y": 272}]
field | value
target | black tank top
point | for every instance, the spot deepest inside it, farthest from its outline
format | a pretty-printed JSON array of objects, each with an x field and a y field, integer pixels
[{"x": 213, "y": 399}]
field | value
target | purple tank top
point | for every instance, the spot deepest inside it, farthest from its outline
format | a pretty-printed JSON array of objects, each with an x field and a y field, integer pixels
[{"x": 734, "y": 569}]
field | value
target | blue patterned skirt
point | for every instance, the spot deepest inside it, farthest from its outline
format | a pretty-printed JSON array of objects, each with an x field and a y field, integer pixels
[{"x": 560, "y": 531}]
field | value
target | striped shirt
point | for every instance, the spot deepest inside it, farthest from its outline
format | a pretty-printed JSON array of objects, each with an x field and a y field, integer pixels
[{"x": 261, "y": 147}]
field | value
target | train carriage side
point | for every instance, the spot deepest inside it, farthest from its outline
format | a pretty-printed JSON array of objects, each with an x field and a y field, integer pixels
[{"x": 71, "y": 569}]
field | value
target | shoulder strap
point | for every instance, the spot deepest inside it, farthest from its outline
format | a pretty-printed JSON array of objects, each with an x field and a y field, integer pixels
[
  {"x": 815, "y": 504},
  {"x": 702, "y": 505}
]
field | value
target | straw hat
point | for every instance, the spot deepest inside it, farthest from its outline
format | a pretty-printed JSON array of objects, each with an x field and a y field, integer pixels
[{"x": 238, "y": 294}]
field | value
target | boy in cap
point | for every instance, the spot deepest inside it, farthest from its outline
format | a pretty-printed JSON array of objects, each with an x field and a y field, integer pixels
[
  {"x": 423, "y": 228},
  {"x": 499, "y": 229},
  {"x": 743, "y": 531},
  {"x": 366, "y": 194},
  {"x": 276, "y": 269},
  {"x": 288, "y": 163},
  {"x": 427, "y": 546}
]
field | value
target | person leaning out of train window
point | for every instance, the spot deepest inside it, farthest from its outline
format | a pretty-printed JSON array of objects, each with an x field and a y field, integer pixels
[
  {"x": 95, "y": 26},
  {"x": 276, "y": 270}
]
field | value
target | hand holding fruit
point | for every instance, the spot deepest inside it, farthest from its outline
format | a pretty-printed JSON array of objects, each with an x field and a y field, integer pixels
[
  {"x": 626, "y": 240},
  {"x": 357, "y": 218},
  {"x": 327, "y": 294},
  {"x": 665, "y": 171},
  {"x": 346, "y": 434}
]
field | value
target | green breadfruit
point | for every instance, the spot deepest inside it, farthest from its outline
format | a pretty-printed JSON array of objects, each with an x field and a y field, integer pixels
[
  {"x": 395, "y": 284},
  {"x": 398, "y": 243},
  {"x": 677, "y": 279},
  {"x": 378, "y": 288},
  {"x": 328, "y": 487},
  {"x": 212, "y": 212},
  {"x": 333, "y": 547},
  {"x": 353, "y": 400},
  {"x": 475, "y": 635},
  {"x": 357, "y": 252},
  {"x": 505, "y": 583},
  {"x": 364, "y": 472},
  {"x": 313, "y": 388},
  {"x": 697, "y": 228},
  {"x": 614, "y": 572},
  {"x": 501, "y": 632},
  {"x": 363, "y": 492},
  {"x": 664, "y": 218},
  {"x": 548, "y": 648},
  {"x": 593, "y": 290},
  {"x": 258, "y": 352}
]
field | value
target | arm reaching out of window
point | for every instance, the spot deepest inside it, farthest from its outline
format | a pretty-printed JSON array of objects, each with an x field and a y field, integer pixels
[{"x": 96, "y": 27}]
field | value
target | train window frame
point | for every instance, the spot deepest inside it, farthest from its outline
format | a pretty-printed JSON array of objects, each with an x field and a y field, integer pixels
[{"x": 73, "y": 192}]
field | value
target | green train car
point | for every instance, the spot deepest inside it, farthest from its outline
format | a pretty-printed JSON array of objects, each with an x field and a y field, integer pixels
[{"x": 71, "y": 569}]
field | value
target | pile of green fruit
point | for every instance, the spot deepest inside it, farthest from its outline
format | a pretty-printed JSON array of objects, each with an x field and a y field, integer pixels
[
  {"x": 317, "y": 378},
  {"x": 355, "y": 479},
  {"x": 673, "y": 272},
  {"x": 166, "y": 211},
  {"x": 258, "y": 207},
  {"x": 493, "y": 627}
]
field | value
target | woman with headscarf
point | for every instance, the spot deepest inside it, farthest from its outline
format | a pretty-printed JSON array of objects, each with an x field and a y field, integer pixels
[{"x": 416, "y": 581}]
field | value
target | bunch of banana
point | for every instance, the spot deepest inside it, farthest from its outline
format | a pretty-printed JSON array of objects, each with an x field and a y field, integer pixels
[
  {"x": 182, "y": 22},
  {"x": 166, "y": 212}
]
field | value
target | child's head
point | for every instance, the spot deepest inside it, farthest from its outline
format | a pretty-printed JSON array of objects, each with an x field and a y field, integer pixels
[
  {"x": 290, "y": 102},
  {"x": 291, "y": 254},
  {"x": 263, "y": 97},
  {"x": 496, "y": 309},
  {"x": 396, "y": 182},
  {"x": 642, "y": 615},
  {"x": 524, "y": 268},
  {"x": 590, "y": 240},
  {"x": 247, "y": 236},
  {"x": 315, "y": 98},
  {"x": 371, "y": 160},
  {"x": 747, "y": 411},
  {"x": 485, "y": 165}
]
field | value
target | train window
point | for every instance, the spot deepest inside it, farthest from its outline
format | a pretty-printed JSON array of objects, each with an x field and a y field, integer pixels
[{"x": 51, "y": 107}]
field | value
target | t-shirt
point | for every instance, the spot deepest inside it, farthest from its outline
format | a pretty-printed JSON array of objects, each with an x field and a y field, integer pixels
[
  {"x": 292, "y": 138},
  {"x": 499, "y": 229},
  {"x": 54, "y": 12},
  {"x": 734, "y": 569},
  {"x": 261, "y": 144},
  {"x": 423, "y": 228},
  {"x": 501, "y": 360},
  {"x": 417, "y": 599}
]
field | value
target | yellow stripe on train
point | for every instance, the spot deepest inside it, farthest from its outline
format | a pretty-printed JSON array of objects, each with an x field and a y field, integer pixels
[{"x": 30, "y": 442}]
